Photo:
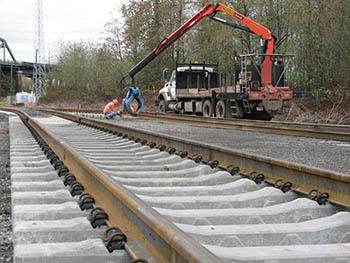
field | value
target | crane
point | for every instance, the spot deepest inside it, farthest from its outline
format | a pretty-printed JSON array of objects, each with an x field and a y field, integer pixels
[
  {"x": 258, "y": 90},
  {"x": 210, "y": 10}
]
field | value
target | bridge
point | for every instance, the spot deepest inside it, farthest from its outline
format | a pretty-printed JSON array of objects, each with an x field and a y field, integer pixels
[
  {"x": 14, "y": 69},
  {"x": 23, "y": 68}
]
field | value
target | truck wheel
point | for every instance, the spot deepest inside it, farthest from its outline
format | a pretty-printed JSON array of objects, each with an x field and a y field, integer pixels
[
  {"x": 163, "y": 106},
  {"x": 207, "y": 109},
  {"x": 220, "y": 109}
]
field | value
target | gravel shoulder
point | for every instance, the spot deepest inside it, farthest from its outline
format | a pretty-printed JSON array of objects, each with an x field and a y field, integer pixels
[
  {"x": 6, "y": 247},
  {"x": 323, "y": 154}
]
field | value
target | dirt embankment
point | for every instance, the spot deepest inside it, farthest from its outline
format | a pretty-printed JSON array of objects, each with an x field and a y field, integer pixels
[{"x": 330, "y": 110}]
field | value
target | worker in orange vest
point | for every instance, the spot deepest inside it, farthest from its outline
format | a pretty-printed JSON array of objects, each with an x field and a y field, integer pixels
[{"x": 110, "y": 111}]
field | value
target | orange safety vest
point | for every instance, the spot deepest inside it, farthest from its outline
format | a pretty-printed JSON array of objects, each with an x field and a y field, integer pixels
[{"x": 109, "y": 107}]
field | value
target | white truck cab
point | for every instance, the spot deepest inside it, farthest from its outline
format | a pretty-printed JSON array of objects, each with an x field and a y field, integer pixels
[
  {"x": 167, "y": 96},
  {"x": 168, "y": 92}
]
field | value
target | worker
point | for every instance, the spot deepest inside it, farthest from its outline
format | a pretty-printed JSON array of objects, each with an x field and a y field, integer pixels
[{"x": 110, "y": 111}]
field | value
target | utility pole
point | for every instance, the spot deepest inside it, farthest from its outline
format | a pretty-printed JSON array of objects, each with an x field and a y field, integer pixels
[
  {"x": 11, "y": 86},
  {"x": 39, "y": 70}
]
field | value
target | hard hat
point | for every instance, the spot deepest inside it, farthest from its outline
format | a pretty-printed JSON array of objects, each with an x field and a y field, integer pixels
[{"x": 115, "y": 102}]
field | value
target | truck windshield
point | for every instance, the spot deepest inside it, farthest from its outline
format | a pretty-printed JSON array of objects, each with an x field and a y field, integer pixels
[{"x": 173, "y": 76}]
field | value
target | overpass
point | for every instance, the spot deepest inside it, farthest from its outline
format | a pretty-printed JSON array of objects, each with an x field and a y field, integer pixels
[
  {"x": 24, "y": 68},
  {"x": 14, "y": 69}
]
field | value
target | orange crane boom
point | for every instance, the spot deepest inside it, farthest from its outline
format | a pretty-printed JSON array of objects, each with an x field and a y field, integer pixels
[{"x": 210, "y": 10}]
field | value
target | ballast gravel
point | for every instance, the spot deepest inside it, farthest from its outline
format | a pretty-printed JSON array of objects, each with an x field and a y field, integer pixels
[
  {"x": 6, "y": 247},
  {"x": 323, "y": 154}
]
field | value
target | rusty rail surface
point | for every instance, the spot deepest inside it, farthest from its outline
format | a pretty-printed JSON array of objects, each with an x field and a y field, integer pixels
[{"x": 312, "y": 130}]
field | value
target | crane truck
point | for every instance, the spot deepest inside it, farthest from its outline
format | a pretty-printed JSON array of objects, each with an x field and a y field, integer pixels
[{"x": 257, "y": 90}]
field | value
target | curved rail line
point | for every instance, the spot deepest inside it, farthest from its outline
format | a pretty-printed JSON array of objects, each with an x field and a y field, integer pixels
[
  {"x": 196, "y": 200},
  {"x": 320, "y": 131}
]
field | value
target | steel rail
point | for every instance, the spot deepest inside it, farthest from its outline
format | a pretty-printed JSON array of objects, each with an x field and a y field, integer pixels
[
  {"x": 304, "y": 179},
  {"x": 150, "y": 235},
  {"x": 312, "y": 130},
  {"x": 168, "y": 177}
]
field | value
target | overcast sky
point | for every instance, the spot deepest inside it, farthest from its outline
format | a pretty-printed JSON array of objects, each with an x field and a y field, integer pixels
[{"x": 63, "y": 20}]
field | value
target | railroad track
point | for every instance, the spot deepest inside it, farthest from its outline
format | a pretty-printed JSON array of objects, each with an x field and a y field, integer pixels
[
  {"x": 320, "y": 131},
  {"x": 48, "y": 224},
  {"x": 182, "y": 201}
]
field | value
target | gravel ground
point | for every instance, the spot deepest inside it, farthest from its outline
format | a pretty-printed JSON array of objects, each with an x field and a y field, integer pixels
[
  {"x": 324, "y": 154},
  {"x": 6, "y": 248},
  {"x": 33, "y": 112}
]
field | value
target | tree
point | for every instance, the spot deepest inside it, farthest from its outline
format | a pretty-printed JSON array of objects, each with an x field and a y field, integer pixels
[
  {"x": 87, "y": 70},
  {"x": 320, "y": 35},
  {"x": 146, "y": 24},
  {"x": 317, "y": 29}
]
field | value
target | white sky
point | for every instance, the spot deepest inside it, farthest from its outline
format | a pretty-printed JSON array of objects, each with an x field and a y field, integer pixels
[{"x": 63, "y": 20}]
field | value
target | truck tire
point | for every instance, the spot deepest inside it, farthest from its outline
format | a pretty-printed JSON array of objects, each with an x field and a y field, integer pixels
[
  {"x": 207, "y": 109},
  {"x": 220, "y": 109},
  {"x": 163, "y": 106}
]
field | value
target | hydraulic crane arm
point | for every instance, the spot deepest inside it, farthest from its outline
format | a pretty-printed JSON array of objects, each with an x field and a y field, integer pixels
[
  {"x": 210, "y": 10},
  {"x": 167, "y": 42},
  {"x": 234, "y": 25}
]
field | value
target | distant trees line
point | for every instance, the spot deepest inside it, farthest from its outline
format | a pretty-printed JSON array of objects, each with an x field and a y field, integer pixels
[{"x": 318, "y": 34}]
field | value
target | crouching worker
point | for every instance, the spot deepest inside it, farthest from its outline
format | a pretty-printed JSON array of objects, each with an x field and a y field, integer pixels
[{"x": 110, "y": 111}]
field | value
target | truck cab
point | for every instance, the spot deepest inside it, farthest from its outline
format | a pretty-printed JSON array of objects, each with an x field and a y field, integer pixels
[
  {"x": 168, "y": 92},
  {"x": 186, "y": 81}
]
